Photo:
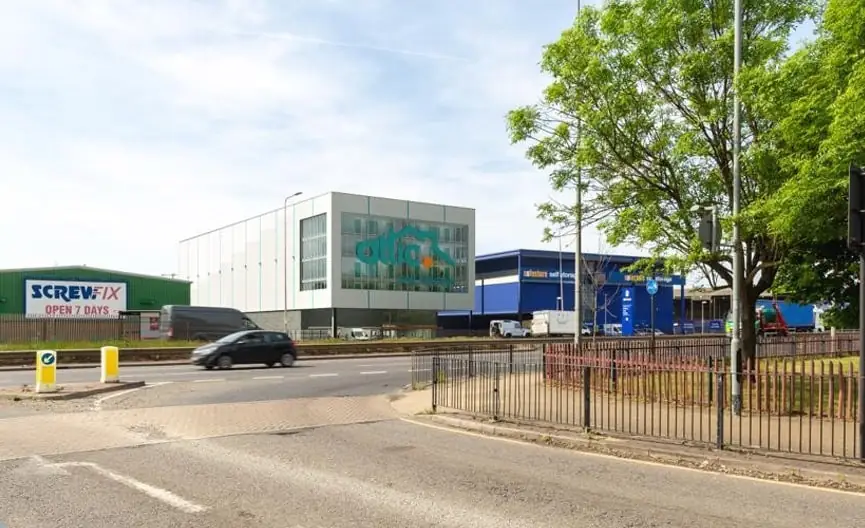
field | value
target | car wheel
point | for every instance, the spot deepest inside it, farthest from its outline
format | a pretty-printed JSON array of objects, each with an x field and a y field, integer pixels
[
  {"x": 287, "y": 360},
  {"x": 224, "y": 362}
]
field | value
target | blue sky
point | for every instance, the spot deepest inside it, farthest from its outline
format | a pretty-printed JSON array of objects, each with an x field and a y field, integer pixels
[{"x": 129, "y": 125}]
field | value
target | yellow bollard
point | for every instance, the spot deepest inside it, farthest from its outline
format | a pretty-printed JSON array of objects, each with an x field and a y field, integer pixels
[
  {"x": 46, "y": 371},
  {"x": 110, "y": 364}
]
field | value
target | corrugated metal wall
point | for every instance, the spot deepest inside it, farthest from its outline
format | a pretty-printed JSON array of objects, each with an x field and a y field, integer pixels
[{"x": 143, "y": 293}]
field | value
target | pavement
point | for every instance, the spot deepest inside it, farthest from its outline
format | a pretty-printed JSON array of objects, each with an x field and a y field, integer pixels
[{"x": 321, "y": 459}]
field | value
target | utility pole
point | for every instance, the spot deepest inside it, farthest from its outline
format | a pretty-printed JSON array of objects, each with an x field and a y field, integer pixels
[
  {"x": 578, "y": 279},
  {"x": 578, "y": 242},
  {"x": 561, "y": 304},
  {"x": 855, "y": 234},
  {"x": 735, "y": 340}
]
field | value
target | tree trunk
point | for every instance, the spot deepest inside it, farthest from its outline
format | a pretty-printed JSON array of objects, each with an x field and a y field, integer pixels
[{"x": 748, "y": 336}]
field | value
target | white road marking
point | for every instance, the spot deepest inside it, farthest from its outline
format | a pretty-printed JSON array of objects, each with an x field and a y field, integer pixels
[
  {"x": 419, "y": 370},
  {"x": 40, "y": 467},
  {"x": 373, "y": 372},
  {"x": 97, "y": 404},
  {"x": 328, "y": 375},
  {"x": 210, "y": 380},
  {"x": 154, "y": 492},
  {"x": 268, "y": 377}
]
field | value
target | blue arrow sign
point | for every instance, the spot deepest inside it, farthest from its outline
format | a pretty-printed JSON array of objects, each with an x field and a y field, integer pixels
[
  {"x": 652, "y": 286},
  {"x": 47, "y": 359}
]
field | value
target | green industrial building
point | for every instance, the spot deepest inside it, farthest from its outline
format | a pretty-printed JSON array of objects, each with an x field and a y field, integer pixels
[{"x": 84, "y": 292}]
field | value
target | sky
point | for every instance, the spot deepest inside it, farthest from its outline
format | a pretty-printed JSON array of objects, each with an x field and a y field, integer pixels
[{"x": 129, "y": 125}]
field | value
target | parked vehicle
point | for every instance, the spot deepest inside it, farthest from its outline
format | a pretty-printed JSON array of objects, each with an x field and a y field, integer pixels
[
  {"x": 247, "y": 347},
  {"x": 556, "y": 323},
  {"x": 202, "y": 323},
  {"x": 508, "y": 328}
]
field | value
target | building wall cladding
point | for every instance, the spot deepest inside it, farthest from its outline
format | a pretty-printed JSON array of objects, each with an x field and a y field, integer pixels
[
  {"x": 525, "y": 281},
  {"x": 243, "y": 265},
  {"x": 143, "y": 292},
  {"x": 276, "y": 320}
]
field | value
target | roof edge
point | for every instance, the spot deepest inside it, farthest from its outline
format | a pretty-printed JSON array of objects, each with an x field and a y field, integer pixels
[{"x": 89, "y": 268}]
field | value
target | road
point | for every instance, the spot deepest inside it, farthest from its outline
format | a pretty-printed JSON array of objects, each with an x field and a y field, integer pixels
[
  {"x": 329, "y": 367},
  {"x": 322, "y": 447},
  {"x": 159, "y": 373},
  {"x": 390, "y": 474},
  {"x": 191, "y": 385},
  {"x": 188, "y": 385}
]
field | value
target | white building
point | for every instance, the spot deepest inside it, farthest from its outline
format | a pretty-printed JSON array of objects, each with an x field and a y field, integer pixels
[{"x": 354, "y": 261}]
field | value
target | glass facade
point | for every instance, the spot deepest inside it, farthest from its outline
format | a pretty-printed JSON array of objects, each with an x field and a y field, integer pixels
[
  {"x": 383, "y": 253},
  {"x": 313, "y": 253}
]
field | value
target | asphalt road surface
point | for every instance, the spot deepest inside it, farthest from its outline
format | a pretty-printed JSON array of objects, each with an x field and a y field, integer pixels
[
  {"x": 316, "y": 368},
  {"x": 390, "y": 474},
  {"x": 190, "y": 373},
  {"x": 296, "y": 384}
]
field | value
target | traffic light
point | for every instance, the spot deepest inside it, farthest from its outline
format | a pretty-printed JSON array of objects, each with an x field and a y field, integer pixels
[{"x": 855, "y": 214}]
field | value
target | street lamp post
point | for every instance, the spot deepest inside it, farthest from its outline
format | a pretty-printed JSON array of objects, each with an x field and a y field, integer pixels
[
  {"x": 578, "y": 276},
  {"x": 285, "y": 259},
  {"x": 737, "y": 242}
]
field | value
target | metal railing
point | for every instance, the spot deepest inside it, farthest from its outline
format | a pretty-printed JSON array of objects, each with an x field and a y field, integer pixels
[
  {"x": 509, "y": 354},
  {"x": 800, "y": 404},
  {"x": 19, "y": 329}
]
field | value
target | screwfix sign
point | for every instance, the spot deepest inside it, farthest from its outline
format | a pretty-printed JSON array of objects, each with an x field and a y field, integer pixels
[{"x": 93, "y": 300}]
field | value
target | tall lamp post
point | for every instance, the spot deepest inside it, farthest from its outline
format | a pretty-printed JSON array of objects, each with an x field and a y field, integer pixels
[
  {"x": 578, "y": 276},
  {"x": 737, "y": 242},
  {"x": 285, "y": 259}
]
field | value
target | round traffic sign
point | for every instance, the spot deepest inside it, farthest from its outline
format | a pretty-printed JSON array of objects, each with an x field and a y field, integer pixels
[
  {"x": 652, "y": 286},
  {"x": 47, "y": 358}
]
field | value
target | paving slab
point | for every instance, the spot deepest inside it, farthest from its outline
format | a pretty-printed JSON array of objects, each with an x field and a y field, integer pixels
[{"x": 51, "y": 434}]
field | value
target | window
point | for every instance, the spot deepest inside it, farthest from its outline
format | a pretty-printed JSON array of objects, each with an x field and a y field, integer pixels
[
  {"x": 277, "y": 337},
  {"x": 254, "y": 338},
  {"x": 313, "y": 253},
  {"x": 447, "y": 244}
]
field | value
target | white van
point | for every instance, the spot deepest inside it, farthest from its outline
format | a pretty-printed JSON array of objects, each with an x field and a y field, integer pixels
[{"x": 508, "y": 328}]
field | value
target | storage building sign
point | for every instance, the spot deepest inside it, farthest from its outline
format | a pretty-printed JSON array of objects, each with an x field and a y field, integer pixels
[{"x": 56, "y": 298}]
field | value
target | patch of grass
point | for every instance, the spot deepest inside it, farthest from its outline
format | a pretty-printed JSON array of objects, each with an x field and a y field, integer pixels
[
  {"x": 87, "y": 345},
  {"x": 788, "y": 390},
  {"x": 156, "y": 343},
  {"x": 846, "y": 365}
]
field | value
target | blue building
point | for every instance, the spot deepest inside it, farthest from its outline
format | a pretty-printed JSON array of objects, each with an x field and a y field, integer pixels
[{"x": 513, "y": 284}]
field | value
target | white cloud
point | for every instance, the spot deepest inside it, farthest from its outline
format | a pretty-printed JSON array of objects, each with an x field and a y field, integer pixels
[{"x": 129, "y": 125}]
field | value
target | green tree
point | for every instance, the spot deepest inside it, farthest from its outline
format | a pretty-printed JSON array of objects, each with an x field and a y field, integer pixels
[
  {"x": 820, "y": 109},
  {"x": 641, "y": 103}
]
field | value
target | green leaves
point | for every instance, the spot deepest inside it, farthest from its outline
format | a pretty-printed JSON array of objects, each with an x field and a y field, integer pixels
[{"x": 641, "y": 99}]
